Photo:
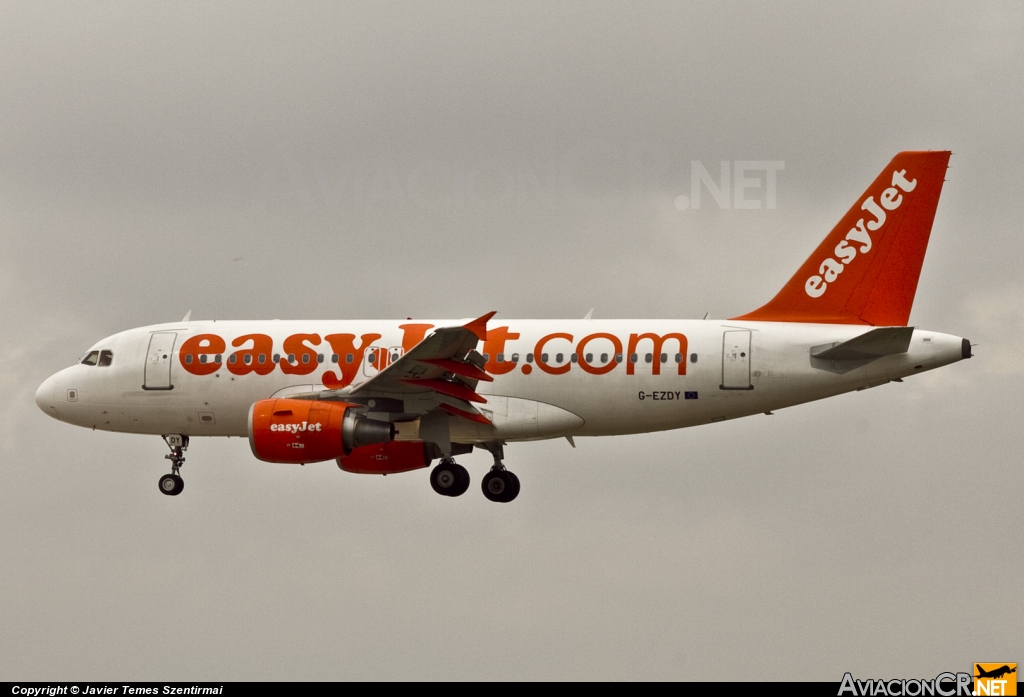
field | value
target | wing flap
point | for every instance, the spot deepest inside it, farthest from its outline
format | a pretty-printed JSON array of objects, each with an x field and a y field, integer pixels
[
  {"x": 450, "y": 388},
  {"x": 462, "y": 368}
]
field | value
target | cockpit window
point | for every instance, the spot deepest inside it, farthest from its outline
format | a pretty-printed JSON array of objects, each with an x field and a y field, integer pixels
[
  {"x": 106, "y": 358},
  {"x": 91, "y": 358}
]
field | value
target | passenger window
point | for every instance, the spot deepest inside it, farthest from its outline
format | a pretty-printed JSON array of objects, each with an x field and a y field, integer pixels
[
  {"x": 247, "y": 359},
  {"x": 679, "y": 358},
  {"x": 349, "y": 358},
  {"x": 693, "y": 358},
  {"x": 305, "y": 358},
  {"x": 558, "y": 358},
  {"x": 618, "y": 358},
  {"x": 334, "y": 358},
  {"x": 291, "y": 357},
  {"x": 91, "y": 358},
  {"x": 262, "y": 358},
  {"x": 632, "y": 358},
  {"x": 648, "y": 358},
  {"x": 202, "y": 358},
  {"x": 319, "y": 358},
  {"x": 277, "y": 358},
  {"x": 529, "y": 358},
  {"x": 106, "y": 358},
  {"x": 515, "y": 357},
  {"x": 544, "y": 357},
  {"x": 574, "y": 358},
  {"x": 217, "y": 359},
  {"x": 501, "y": 358},
  {"x": 590, "y": 358},
  {"x": 487, "y": 357},
  {"x": 664, "y": 358},
  {"x": 232, "y": 358},
  {"x": 604, "y": 358}
]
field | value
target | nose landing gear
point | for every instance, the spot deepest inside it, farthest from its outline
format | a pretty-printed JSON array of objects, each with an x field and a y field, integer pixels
[{"x": 172, "y": 484}]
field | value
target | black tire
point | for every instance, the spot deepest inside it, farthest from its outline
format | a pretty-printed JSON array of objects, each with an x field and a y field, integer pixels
[
  {"x": 513, "y": 490},
  {"x": 496, "y": 486},
  {"x": 445, "y": 479},
  {"x": 462, "y": 485},
  {"x": 171, "y": 485}
]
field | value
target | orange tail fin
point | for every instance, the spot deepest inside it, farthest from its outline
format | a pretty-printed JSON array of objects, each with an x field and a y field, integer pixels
[{"x": 866, "y": 270}]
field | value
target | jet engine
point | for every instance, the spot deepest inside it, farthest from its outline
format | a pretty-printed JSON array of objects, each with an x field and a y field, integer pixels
[
  {"x": 300, "y": 430},
  {"x": 386, "y": 458}
]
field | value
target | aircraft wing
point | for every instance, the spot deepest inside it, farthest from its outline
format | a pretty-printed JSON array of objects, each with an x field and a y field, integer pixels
[{"x": 442, "y": 370}]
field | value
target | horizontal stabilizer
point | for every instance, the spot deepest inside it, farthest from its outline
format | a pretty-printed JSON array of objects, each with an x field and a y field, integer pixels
[{"x": 884, "y": 341}]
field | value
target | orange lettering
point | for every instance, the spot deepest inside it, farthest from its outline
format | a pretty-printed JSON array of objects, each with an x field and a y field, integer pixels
[
  {"x": 657, "y": 341},
  {"x": 262, "y": 350},
  {"x": 582, "y": 356},
  {"x": 201, "y": 344},
  {"x": 414, "y": 334},
  {"x": 296, "y": 345},
  {"x": 495, "y": 344},
  {"x": 538, "y": 354},
  {"x": 344, "y": 345}
]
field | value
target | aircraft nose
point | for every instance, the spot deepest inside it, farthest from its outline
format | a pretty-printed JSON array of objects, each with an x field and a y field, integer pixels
[{"x": 44, "y": 396}]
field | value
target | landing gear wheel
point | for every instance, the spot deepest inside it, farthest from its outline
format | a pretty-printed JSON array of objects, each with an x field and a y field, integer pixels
[
  {"x": 462, "y": 485},
  {"x": 449, "y": 479},
  {"x": 171, "y": 484},
  {"x": 514, "y": 489},
  {"x": 500, "y": 486}
]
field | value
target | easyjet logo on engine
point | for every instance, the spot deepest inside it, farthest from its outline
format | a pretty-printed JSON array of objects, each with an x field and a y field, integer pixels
[
  {"x": 889, "y": 200},
  {"x": 297, "y": 428}
]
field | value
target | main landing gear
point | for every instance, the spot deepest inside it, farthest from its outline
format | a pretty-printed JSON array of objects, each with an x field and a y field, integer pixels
[
  {"x": 452, "y": 479},
  {"x": 449, "y": 478},
  {"x": 172, "y": 484},
  {"x": 499, "y": 484}
]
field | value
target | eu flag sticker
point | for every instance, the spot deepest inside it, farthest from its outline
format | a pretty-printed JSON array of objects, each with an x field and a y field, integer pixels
[{"x": 690, "y": 395}]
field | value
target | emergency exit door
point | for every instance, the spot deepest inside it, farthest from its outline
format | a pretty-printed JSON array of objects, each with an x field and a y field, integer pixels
[
  {"x": 378, "y": 358},
  {"x": 736, "y": 360},
  {"x": 158, "y": 361}
]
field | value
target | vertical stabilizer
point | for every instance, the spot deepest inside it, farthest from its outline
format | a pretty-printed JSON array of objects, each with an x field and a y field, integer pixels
[{"x": 866, "y": 270}]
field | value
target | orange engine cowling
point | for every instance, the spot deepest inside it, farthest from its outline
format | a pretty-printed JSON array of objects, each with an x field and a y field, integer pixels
[
  {"x": 299, "y": 430},
  {"x": 386, "y": 458}
]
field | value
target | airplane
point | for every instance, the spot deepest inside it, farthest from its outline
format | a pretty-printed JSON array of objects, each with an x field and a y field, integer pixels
[
  {"x": 995, "y": 673},
  {"x": 384, "y": 397}
]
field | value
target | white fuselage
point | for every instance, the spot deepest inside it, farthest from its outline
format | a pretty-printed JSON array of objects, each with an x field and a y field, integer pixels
[{"x": 729, "y": 369}]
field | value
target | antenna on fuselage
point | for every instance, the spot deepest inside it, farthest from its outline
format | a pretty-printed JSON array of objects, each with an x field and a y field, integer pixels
[
  {"x": 187, "y": 317},
  {"x": 590, "y": 314}
]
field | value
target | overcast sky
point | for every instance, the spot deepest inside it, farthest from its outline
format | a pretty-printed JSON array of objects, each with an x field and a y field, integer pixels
[{"x": 391, "y": 160}]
